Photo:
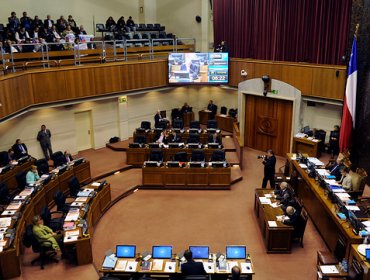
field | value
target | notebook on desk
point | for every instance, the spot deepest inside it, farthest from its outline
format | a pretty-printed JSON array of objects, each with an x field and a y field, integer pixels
[{"x": 109, "y": 262}]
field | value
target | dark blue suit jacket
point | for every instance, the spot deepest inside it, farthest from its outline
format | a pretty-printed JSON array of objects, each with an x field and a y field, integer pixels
[{"x": 192, "y": 268}]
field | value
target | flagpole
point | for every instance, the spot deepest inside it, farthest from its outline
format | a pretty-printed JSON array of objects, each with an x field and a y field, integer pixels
[{"x": 356, "y": 30}]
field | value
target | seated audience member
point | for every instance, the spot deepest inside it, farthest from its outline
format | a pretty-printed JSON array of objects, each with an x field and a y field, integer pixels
[
  {"x": 130, "y": 22},
  {"x": 334, "y": 141},
  {"x": 175, "y": 138},
  {"x": 26, "y": 22},
  {"x": 14, "y": 22},
  {"x": 35, "y": 35},
  {"x": 334, "y": 169},
  {"x": 72, "y": 23},
  {"x": 214, "y": 138},
  {"x": 158, "y": 118},
  {"x": 121, "y": 23},
  {"x": 68, "y": 33},
  {"x": 82, "y": 30},
  {"x": 27, "y": 47},
  {"x": 110, "y": 23},
  {"x": 235, "y": 273},
  {"x": 293, "y": 216},
  {"x": 47, "y": 35},
  {"x": 191, "y": 267},
  {"x": 36, "y": 22},
  {"x": 48, "y": 22},
  {"x": 21, "y": 35},
  {"x": 55, "y": 33},
  {"x": 20, "y": 149},
  {"x": 11, "y": 156},
  {"x": 45, "y": 234},
  {"x": 68, "y": 156},
  {"x": 32, "y": 176},
  {"x": 213, "y": 108},
  {"x": 284, "y": 195},
  {"x": 58, "y": 46},
  {"x": 185, "y": 108},
  {"x": 346, "y": 179},
  {"x": 61, "y": 24}
]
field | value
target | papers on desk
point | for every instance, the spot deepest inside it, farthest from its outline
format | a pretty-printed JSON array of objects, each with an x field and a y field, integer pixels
[
  {"x": 72, "y": 216},
  {"x": 322, "y": 171},
  {"x": 121, "y": 265},
  {"x": 272, "y": 224},
  {"x": 157, "y": 265},
  {"x": 3, "y": 243},
  {"x": 110, "y": 262},
  {"x": 131, "y": 266},
  {"x": 302, "y": 165},
  {"x": 331, "y": 182},
  {"x": 95, "y": 184},
  {"x": 264, "y": 200},
  {"x": 352, "y": 207},
  {"x": 294, "y": 156},
  {"x": 209, "y": 267},
  {"x": 77, "y": 204},
  {"x": 72, "y": 233},
  {"x": 329, "y": 269},
  {"x": 268, "y": 195},
  {"x": 85, "y": 192},
  {"x": 282, "y": 218},
  {"x": 20, "y": 197},
  {"x": 14, "y": 205},
  {"x": 275, "y": 205},
  {"x": 231, "y": 264},
  {"x": 81, "y": 199},
  {"x": 300, "y": 135},
  {"x": 246, "y": 267},
  {"x": 337, "y": 189},
  {"x": 315, "y": 161},
  {"x": 1, "y": 236},
  {"x": 8, "y": 213},
  {"x": 5, "y": 222},
  {"x": 343, "y": 196},
  {"x": 26, "y": 192},
  {"x": 170, "y": 267},
  {"x": 315, "y": 140},
  {"x": 70, "y": 238},
  {"x": 366, "y": 223}
]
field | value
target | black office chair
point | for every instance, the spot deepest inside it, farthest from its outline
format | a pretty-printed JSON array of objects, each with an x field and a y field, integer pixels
[
  {"x": 58, "y": 159},
  {"x": 141, "y": 139},
  {"x": 300, "y": 228},
  {"x": 194, "y": 124},
  {"x": 74, "y": 186},
  {"x": 42, "y": 166},
  {"x": 45, "y": 248},
  {"x": 5, "y": 195},
  {"x": 212, "y": 124},
  {"x": 161, "y": 125},
  {"x": 179, "y": 124},
  {"x": 197, "y": 155},
  {"x": 4, "y": 159},
  {"x": 53, "y": 220},
  {"x": 175, "y": 114},
  {"x": 181, "y": 156},
  {"x": 156, "y": 155},
  {"x": 146, "y": 125},
  {"x": 218, "y": 155},
  {"x": 233, "y": 113},
  {"x": 60, "y": 202},
  {"x": 21, "y": 180},
  {"x": 223, "y": 110},
  {"x": 193, "y": 138}
]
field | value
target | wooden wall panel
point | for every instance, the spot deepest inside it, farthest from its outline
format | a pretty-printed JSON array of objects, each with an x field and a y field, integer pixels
[
  {"x": 79, "y": 83},
  {"x": 273, "y": 70},
  {"x": 326, "y": 83},
  {"x": 298, "y": 77},
  {"x": 49, "y": 86},
  {"x": 236, "y": 66},
  {"x": 107, "y": 79}
]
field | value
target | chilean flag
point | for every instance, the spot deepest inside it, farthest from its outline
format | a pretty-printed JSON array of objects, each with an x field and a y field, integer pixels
[{"x": 349, "y": 106}]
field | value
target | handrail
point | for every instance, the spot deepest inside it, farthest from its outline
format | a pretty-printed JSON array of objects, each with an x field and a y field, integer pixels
[
  {"x": 184, "y": 39},
  {"x": 161, "y": 40},
  {"x": 237, "y": 143}
]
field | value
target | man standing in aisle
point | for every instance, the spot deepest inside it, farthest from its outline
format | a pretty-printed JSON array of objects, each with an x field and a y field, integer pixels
[
  {"x": 269, "y": 161},
  {"x": 43, "y": 137}
]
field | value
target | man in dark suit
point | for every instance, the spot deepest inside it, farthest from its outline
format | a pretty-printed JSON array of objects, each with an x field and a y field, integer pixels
[
  {"x": 284, "y": 195},
  {"x": 185, "y": 108},
  {"x": 191, "y": 267},
  {"x": 157, "y": 118},
  {"x": 294, "y": 218},
  {"x": 48, "y": 22},
  {"x": 335, "y": 169},
  {"x": 43, "y": 137},
  {"x": 176, "y": 138},
  {"x": 214, "y": 138},
  {"x": 213, "y": 108},
  {"x": 68, "y": 156},
  {"x": 20, "y": 149},
  {"x": 269, "y": 162},
  {"x": 334, "y": 141}
]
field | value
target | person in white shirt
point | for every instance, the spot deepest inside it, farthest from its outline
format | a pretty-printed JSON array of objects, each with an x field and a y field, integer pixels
[{"x": 346, "y": 180}]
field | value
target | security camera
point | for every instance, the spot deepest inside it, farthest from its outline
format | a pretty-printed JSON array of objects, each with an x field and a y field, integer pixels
[
  {"x": 266, "y": 78},
  {"x": 243, "y": 73}
]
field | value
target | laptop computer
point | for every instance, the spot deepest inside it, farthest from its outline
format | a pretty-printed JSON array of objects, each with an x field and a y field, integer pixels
[
  {"x": 162, "y": 252},
  {"x": 199, "y": 252},
  {"x": 125, "y": 251},
  {"x": 236, "y": 252}
]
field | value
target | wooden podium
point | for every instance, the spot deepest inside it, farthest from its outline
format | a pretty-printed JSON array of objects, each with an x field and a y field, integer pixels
[
  {"x": 204, "y": 116},
  {"x": 306, "y": 146},
  {"x": 225, "y": 122},
  {"x": 187, "y": 118}
]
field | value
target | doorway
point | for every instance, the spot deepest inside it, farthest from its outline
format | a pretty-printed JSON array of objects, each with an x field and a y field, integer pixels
[{"x": 84, "y": 131}]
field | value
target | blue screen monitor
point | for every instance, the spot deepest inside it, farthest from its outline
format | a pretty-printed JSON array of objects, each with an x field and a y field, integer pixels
[
  {"x": 199, "y": 252},
  {"x": 125, "y": 251},
  {"x": 235, "y": 252},
  {"x": 162, "y": 252},
  {"x": 367, "y": 253}
]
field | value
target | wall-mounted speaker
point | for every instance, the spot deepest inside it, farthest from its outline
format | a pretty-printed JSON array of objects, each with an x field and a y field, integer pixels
[{"x": 198, "y": 19}]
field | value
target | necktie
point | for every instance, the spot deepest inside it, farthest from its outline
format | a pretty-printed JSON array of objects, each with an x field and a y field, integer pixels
[{"x": 23, "y": 151}]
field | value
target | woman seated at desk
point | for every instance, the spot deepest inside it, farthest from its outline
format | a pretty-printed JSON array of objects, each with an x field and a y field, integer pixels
[
  {"x": 32, "y": 176},
  {"x": 163, "y": 137}
]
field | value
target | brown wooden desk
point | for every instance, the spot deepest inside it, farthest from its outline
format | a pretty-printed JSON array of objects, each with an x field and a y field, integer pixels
[
  {"x": 322, "y": 211},
  {"x": 177, "y": 269},
  {"x": 187, "y": 118},
  {"x": 358, "y": 260},
  {"x": 137, "y": 156},
  {"x": 10, "y": 258},
  {"x": 186, "y": 178},
  {"x": 277, "y": 239},
  {"x": 225, "y": 122},
  {"x": 306, "y": 146},
  {"x": 204, "y": 116},
  {"x": 9, "y": 177}
]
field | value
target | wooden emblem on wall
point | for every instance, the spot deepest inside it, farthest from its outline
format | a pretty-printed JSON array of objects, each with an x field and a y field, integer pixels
[{"x": 267, "y": 125}]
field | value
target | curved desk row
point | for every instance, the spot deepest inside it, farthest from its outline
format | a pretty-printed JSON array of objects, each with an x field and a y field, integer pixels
[
  {"x": 9, "y": 177},
  {"x": 10, "y": 256},
  {"x": 137, "y": 156},
  {"x": 187, "y": 177}
]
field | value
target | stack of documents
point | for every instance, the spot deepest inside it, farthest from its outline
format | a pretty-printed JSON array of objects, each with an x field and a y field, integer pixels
[
  {"x": 157, "y": 265},
  {"x": 300, "y": 135},
  {"x": 5, "y": 222},
  {"x": 272, "y": 224},
  {"x": 170, "y": 267},
  {"x": 121, "y": 265},
  {"x": 95, "y": 184},
  {"x": 73, "y": 215},
  {"x": 329, "y": 269},
  {"x": 246, "y": 267},
  {"x": 26, "y": 192},
  {"x": 131, "y": 266},
  {"x": 110, "y": 262},
  {"x": 85, "y": 192},
  {"x": 315, "y": 161},
  {"x": 264, "y": 200}
]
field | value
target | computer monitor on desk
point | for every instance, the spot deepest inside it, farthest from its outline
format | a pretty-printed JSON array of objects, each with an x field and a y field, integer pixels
[
  {"x": 162, "y": 252},
  {"x": 194, "y": 145},
  {"x": 214, "y": 145},
  {"x": 125, "y": 251},
  {"x": 154, "y": 145},
  {"x": 199, "y": 252},
  {"x": 173, "y": 145},
  {"x": 236, "y": 252}
]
